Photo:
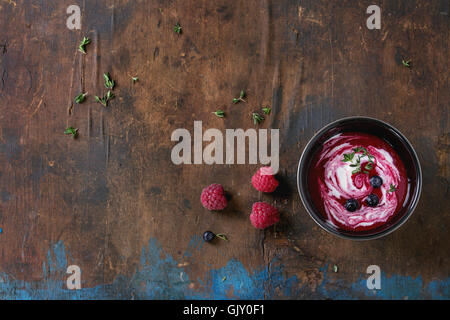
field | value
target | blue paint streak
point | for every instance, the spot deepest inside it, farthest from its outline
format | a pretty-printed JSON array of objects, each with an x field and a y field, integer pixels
[
  {"x": 394, "y": 287},
  {"x": 159, "y": 277}
]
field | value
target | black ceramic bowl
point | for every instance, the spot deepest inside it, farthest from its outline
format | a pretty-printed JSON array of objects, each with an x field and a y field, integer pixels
[{"x": 387, "y": 133}]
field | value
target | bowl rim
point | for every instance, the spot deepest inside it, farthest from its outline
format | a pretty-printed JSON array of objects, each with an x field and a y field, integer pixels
[{"x": 416, "y": 195}]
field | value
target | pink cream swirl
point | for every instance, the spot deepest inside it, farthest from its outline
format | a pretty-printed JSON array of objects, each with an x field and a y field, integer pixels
[{"x": 340, "y": 184}]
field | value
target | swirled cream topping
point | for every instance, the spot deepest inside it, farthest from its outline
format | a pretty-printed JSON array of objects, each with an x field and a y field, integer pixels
[{"x": 343, "y": 171}]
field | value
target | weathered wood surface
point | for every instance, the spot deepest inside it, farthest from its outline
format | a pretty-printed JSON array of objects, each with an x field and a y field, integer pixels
[{"x": 99, "y": 201}]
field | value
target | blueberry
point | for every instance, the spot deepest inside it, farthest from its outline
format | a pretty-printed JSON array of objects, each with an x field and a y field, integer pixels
[
  {"x": 372, "y": 200},
  {"x": 208, "y": 236},
  {"x": 376, "y": 181},
  {"x": 351, "y": 205}
]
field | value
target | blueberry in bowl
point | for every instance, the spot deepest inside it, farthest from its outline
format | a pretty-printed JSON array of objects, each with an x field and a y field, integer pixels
[
  {"x": 376, "y": 181},
  {"x": 372, "y": 200}
]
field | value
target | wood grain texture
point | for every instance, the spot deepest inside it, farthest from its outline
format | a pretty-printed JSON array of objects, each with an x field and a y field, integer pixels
[{"x": 106, "y": 193}]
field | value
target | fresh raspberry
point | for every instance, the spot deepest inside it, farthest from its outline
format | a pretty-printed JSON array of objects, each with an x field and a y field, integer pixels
[
  {"x": 264, "y": 181},
  {"x": 264, "y": 215},
  {"x": 213, "y": 197}
]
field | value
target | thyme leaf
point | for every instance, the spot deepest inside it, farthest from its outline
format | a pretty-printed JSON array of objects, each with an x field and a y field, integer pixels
[
  {"x": 177, "y": 28},
  {"x": 219, "y": 113},
  {"x": 72, "y": 131},
  {"x": 80, "y": 98},
  {"x": 257, "y": 118},
  {"x": 222, "y": 236},
  {"x": 392, "y": 188},
  {"x": 241, "y": 97},
  {"x": 83, "y": 43}
]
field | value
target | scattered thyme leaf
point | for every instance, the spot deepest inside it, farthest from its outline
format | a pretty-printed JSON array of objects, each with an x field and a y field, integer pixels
[
  {"x": 335, "y": 268},
  {"x": 224, "y": 278},
  {"x": 219, "y": 113},
  {"x": 83, "y": 43},
  {"x": 348, "y": 157},
  {"x": 100, "y": 100},
  {"x": 241, "y": 97},
  {"x": 104, "y": 100},
  {"x": 71, "y": 130},
  {"x": 406, "y": 63},
  {"x": 109, "y": 95},
  {"x": 222, "y": 236},
  {"x": 134, "y": 79},
  {"x": 266, "y": 110},
  {"x": 392, "y": 188},
  {"x": 177, "y": 28},
  {"x": 109, "y": 83},
  {"x": 257, "y": 118},
  {"x": 80, "y": 98}
]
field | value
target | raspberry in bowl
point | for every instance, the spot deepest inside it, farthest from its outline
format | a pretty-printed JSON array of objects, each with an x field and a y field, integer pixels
[{"x": 359, "y": 178}]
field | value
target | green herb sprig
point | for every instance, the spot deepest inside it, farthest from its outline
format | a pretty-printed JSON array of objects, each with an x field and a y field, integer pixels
[
  {"x": 177, "y": 28},
  {"x": 348, "y": 157},
  {"x": 219, "y": 113},
  {"x": 222, "y": 236},
  {"x": 109, "y": 83},
  {"x": 72, "y": 131},
  {"x": 80, "y": 98},
  {"x": 266, "y": 110},
  {"x": 83, "y": 43},
  {"x": 406, "y": 63},
  {"x": 392, "y": 188},
  {"x": 104, "y": 100},
  {"x": 257, "y": 118},
  {"x": 241, "y": 97}
]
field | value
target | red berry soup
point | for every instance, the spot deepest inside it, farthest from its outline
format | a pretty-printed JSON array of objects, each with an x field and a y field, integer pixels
[{"x": 357, "y": 181}]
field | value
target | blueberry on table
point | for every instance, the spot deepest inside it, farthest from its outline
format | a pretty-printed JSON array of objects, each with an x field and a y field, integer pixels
[
  {"x": 351, "y": 205},
  {"x": 372, "y": 200},
  {"x": 208, "y": 236},
  {"x": 376, "y": 181}
]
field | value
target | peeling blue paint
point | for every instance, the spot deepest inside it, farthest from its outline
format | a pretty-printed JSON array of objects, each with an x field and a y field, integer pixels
[
  {"x": 160, "y": 277},
  {"x": 394, "y": 287}
]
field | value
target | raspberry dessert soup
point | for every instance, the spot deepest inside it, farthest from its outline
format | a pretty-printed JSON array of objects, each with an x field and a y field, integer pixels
[
  {"x": 359, "y": 178},
  {"x": 357, "y": 181}
]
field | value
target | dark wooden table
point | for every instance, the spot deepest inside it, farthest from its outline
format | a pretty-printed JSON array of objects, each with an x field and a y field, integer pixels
[{"x": 113, "y": 203}]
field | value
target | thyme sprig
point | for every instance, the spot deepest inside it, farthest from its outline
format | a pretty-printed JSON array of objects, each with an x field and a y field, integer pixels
[
  {"x": 72, "y": 131},
  {"x": 257, "y": 118},
  {"x": 219, "y": 113},
  {"x": 266, "y": 110},
  {"x": 406, "y": 63},
  {"x": 109, "y": 83},
  {"x": 177, "y": 28},
  {"x": 222, "y": 236},
  {"x": 104, "y": 100},
  {"x": 348, "y": 157},
  {"x": 83, "y": 43},
  {"x": 392, "y": 188},
  {"x": 80, "y": 98},
  {"x": 240, "y": 98}
]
